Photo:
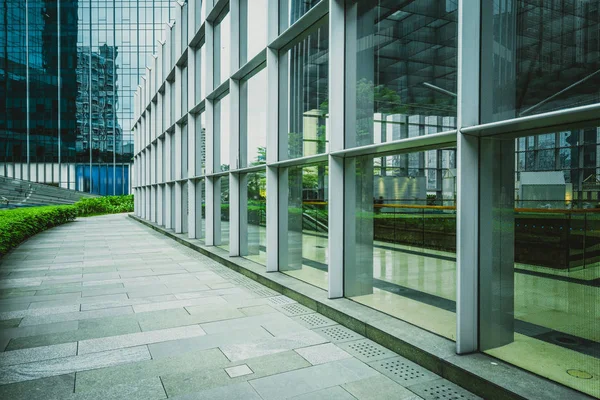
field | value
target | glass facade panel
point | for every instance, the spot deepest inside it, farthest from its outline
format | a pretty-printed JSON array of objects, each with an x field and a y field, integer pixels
[
  {"x": 253, "y": 120},
  {"x": 402, "y": 250},
  {"x": 306, "y": 257},
  {"x": 541, "y": 56},
  {"x": 200, "y": 143},
  {"x": 222, "y": 134},
  {"x": 402, "y": 78},
  {"x": 290, "y": 11},
  {"x": 221, "y": 60},
  {"x": 253, "y": 204},
  {"x": 539, "y": 260},
  {"x": 304, "y": 85},
  {"x": 222, "y": 226},
  {"x": 253, "y": 28},
  {"x": 200, "y": 210}
]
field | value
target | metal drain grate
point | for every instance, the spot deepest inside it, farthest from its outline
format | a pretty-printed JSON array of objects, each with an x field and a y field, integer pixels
[
  {"x": 365, "y": 350},
  {"x": 339, "y": 334},
  {"x": 295, "y": 309},
  {"x": 443, "y": 392},
  {"x": 280, "y": 300},
  {"x": 264, "y": 292},
  {"x": 314, "y": 320},
  {"x": 403, "y": 371}
]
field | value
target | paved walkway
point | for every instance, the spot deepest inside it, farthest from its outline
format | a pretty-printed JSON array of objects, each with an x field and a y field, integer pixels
[{"x": 105, "y": 308}]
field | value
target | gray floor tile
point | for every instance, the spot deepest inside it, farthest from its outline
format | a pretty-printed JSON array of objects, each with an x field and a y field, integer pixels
[
  {"x": 403, "y": 371},
  {"x": 37, "y": 312},
  {"x": 136, "y": 339},
  {"x": 441, "y": 389},
  {"x": 56, "y": 387},
  {"x": 378, "y": 387},
  {"x": 37, "y": 354},
  {"x": 72, "y": 316},
  {"x": 237, "y": 391},
  {"x": 332, "y": 393},
  {"x": 67, "y": 365},
  {"x": 322, "y": 353},
  {"x": 311, "y": 379},
  {"x": 366, "y": 350}
]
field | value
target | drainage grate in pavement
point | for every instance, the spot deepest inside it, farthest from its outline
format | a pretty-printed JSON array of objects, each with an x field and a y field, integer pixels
[
  {"x": 280, "y": 300},
  {"x": 367, "y": 351},
  {"x": 264, "y": 292},
  {"x": 295, "y": 309},
  {"x": 441, "y": 389},
  {"x": 403, "y": 371},
  {"x": 338, "y": 333},
  {"x": 314, "y": 321}
]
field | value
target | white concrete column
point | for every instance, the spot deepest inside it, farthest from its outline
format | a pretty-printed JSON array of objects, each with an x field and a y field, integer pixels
[
  {"x": 168, "y": 209},
  {"x": 178, "y": 207},
  {"x": 160, "y": 205}
]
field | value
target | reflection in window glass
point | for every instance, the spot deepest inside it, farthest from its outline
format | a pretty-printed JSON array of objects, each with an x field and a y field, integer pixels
[
  {"x": 221, "y": 51},
  {"x": 542, "y": 55},
  {"x": 222, "y": 134},
  {"x": 402, "y": 85},
  {"x": 200, "y": 210},
  {"x": 222, "y": 223},
  {"x": 307, "y": 252},
  {"x": 200, "y": 143},
  {"x": 253, "y": 28},
  {"x": 291, "y": 11},
  {"x": 253, "y": 120},
  {"x": 199, "y": 77},
  {"x": 403, "y": 250},
  {"x": 253, "y": 214},
  {"x": 539, "y": 257},
  {"x": 305, "y": 85}
]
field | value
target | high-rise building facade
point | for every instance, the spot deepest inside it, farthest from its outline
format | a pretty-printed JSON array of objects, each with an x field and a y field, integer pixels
[
  {"x": 434, "y": 160},
  {"x": 68, "y": 73}
]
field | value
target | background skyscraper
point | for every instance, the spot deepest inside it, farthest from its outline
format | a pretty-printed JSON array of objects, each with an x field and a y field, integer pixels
[{"x": 68, "y": 73}]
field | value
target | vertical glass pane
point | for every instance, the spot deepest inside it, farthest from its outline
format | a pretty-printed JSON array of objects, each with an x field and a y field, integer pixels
[
  {"x": 184, "y": 92},
  {"x": 221, "y": 45},
  {"x": 253, "y": 214},
  {"x": 253, "y": 120},
  {"x": 539, "y": 260},
  {"x": 401, "y": 69},
  {"x": 222, "y": 233},
  {"x": 403, "y": 246},
  {"x": 305, "y": 86},
  {"x": 222, "y": 134},
  {"x": 290, "y": 11},
  {"x": 307, "y": 252},
  {"x": 253, "y": 28},
  {"x": 538, "y": 57},
  {"x": 200, "y": 144}
]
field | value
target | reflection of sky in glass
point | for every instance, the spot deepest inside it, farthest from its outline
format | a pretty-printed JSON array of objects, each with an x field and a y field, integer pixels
[
  {"x": 256, "y": 116},
  {"x": 223, "y": 115}
]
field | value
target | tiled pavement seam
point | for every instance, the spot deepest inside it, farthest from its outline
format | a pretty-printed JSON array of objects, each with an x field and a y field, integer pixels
[{"x": 126, "y": 313}]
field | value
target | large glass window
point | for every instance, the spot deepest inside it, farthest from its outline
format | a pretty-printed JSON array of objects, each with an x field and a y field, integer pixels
[
  {"x": 291, "y": 10},
  {"x": 401, "y": 241},
  {"x": 304, "y": 84},
  {"x": 222, "y": 135},
  {"x": 253, "y": 214},
  {"x": 200, "y": 143},
  {"x": 200, "y": 209},
  {"x": 253, "y": 120},
  {"x": 401, "y": 69},
  {"x": 199, "y": 75},
  {"x": 539, "y": 256},
  {"x": 253, "y": 28},
  {"x": 221, "y": 59},
  {"x": 538, "y": 57},
  {"x": 222, "y": 221},
  {"x": 306, "y": 256}
]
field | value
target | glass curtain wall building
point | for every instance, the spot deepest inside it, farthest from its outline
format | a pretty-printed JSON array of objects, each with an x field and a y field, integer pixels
[
  {"x": 434, "y": 160},
  {"x": 68, "y": 73}
]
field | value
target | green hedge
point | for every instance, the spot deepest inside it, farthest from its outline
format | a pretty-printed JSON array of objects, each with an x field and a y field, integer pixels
[
  {"x": 19, "y": 224},
  {"x": 16, "y": 225},
  {"x": 104, "y": 205}
]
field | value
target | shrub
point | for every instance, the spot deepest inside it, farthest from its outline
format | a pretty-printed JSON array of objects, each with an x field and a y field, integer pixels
[
  {"x": 104, "y": 205},
  {"x": 22, "y": 223}
]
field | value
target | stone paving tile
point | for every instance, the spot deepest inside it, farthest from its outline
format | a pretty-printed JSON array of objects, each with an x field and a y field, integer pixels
[
  {"x": 66, "y": 365},
  {"x": 37, "y": 354},
  {"x": 136, "y": 339},
  {"x": 105, "y": 308},
  {"x": 72, "y": 316},
  {"x": 311, "y": 379}
]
